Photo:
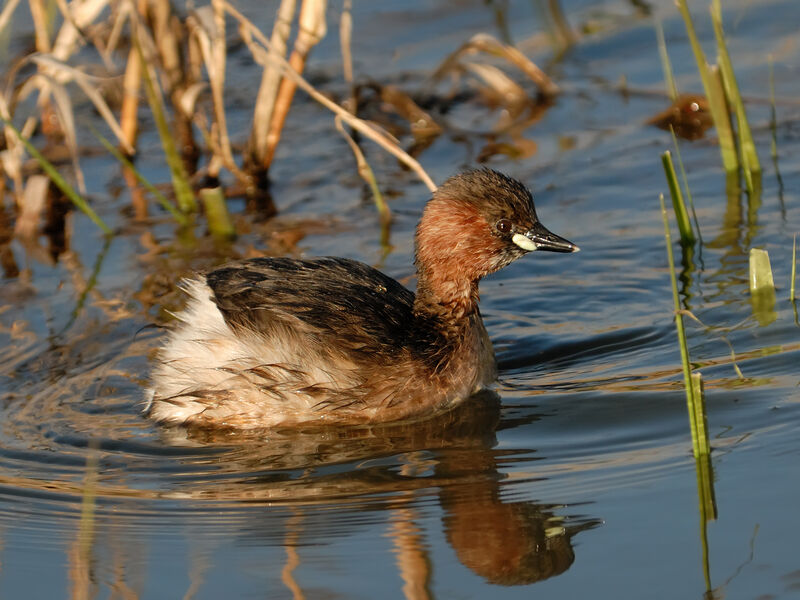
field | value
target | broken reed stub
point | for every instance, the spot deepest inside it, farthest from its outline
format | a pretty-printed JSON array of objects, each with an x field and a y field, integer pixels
[
  {"x": 762, "y": 287},
  {"x": 760, "y": 271}
]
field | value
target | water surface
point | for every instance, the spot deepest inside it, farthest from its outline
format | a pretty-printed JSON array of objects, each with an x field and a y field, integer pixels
[{"x": 575, "y": 479}]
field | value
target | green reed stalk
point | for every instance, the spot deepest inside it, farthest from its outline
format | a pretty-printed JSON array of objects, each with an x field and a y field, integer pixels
[
  {"x": 180, "y": 180},
  {"x": 750, "y": 163},
  {"x": 666, "y": 65},
  {"x": 714, "y": 93},
  {"x": 685, "y": 182},
  {"x": 722, "y": 120},
  {"x": 59, "y": 181},
  {"x": 794, "y": 269},
  {"x": 681, "y": 215},
  {"x": 682, "y": 344},
  {"x": 160, "y": 198}
]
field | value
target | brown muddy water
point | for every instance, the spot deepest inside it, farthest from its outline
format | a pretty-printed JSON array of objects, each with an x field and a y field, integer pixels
[{"x": 575, "y": 480}]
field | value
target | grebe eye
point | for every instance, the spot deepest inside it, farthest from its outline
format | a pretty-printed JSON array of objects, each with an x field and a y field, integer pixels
[{"x": 503, "y": 226}]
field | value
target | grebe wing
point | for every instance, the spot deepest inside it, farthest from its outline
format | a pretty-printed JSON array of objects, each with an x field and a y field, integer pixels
[{"x": 335, "y": 301}]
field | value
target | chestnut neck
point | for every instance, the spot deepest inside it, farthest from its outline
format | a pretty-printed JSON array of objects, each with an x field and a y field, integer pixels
[{"x": 451, "y": 254}]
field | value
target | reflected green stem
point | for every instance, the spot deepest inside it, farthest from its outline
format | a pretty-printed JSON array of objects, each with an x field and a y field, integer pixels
[
  {"x": 773, "y": 127},
  {"x": 708, "y": 511},
  {"x": 666, "y": 65},
  {"x": 686, "y": 275},
  {"x": 90, "y": 284}
]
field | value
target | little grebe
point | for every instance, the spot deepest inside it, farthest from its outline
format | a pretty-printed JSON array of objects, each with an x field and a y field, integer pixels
[{"x": 278, "y": 342}]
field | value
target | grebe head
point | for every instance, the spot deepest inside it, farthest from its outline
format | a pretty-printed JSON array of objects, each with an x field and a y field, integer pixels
[{"x": 477, "y": 223}]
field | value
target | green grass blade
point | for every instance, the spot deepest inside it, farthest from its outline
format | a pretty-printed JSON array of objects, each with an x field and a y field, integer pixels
[
  {"x": 90, "y": 285},
  {"x": 180, "y": 180},
  {"x": 722, "y": 120},
  {"x": 681, "y": 215},
  {"x": 160, "y": 198},
  {"x": 750, "y": 162},
  {"x": 59, "y": 181},
  {"x": 666, "y": 65},
  {"x": 714, "y": 93}
]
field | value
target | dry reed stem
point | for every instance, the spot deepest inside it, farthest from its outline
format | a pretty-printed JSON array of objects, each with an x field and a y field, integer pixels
[
  {"x": 58, "y": 180},
  {"x": 207, "y": 25},
  {"x": 270, "y": 82},
  {"x": 364, "y": 170},
  {"x": 31, "y": 205},
  {"x": 39, "y": 16},
  {"x": 483, "y": 42},
  {"x": 263, "y": 57},
  {"x": 89, "y": 87},
  {"x": 80, "y": 15},
  {"x": 111, "y": 41},
  {"x": 11, "y": 157},
  {"x": 131, "y": 87},
  {"x": 76, "y": 16},
  {"x": 345, "y": 37},
  {"x": 165, "y": 40},
  {"x": 509, "y": 90},
  {"x": 312, "y": 29},
  {"x": 61, "y": 108},
  {"x": 7, "y": 13}
]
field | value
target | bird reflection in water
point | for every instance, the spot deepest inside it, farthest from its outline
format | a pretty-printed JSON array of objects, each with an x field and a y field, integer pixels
[{"x": 453, "y": 455}]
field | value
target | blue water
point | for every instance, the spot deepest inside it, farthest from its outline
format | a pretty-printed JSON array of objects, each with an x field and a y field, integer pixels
[{"x": 576, "y": 479}]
